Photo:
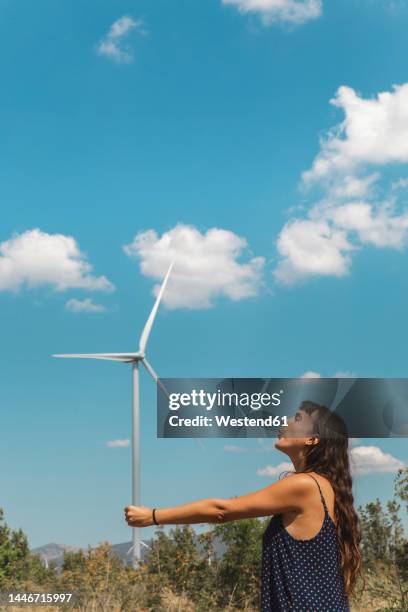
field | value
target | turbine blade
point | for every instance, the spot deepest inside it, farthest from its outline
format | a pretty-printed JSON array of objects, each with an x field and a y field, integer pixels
[
  {"x": 155, "y": 377},
  {"x": 124, "y": 357},
  {"x": 163, "y": 388},
  {"x": 149, "y": 323}
]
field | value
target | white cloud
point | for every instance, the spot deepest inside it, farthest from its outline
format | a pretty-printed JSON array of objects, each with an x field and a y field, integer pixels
[
  {"x": 363, "y": 459},
  {"x": 271, "y": 470},
  {"x": 350, "y": 214},
  {"x": 206, "y": 265},
  {"x": 118, "y": 443},
  {"x": 322, "y": 244},
  {"x": 86, "y": 305},
  {"x": 372, "y": 460},
  {"x": 294, "y": 12},
  {"x": 374, "y": 131},
  {"x": 312, "y": 248},
  {"x": 113, "y": 45},
  {"x": 378, "y": 227},
  {"x": 352, "y": 186},
  {"x": 35, "y": 258}
]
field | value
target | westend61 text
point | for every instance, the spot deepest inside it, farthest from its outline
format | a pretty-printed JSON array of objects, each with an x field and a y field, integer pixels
[
  {"x": 227, "y": 421},
  {"x": 208, "y": 400}
]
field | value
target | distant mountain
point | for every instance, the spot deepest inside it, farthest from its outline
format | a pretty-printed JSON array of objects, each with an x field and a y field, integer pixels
[{"x": 55, "y": 552}]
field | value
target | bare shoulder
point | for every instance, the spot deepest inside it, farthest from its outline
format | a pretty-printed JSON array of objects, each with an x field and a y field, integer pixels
[
  {"x": 302, "y": 483},
  {"x": 299, "y": 482},
  {"x": 301, "y": 477}
]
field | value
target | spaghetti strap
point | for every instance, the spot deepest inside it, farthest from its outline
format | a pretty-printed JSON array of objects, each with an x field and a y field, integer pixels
[{"x": 321, "y": 494}]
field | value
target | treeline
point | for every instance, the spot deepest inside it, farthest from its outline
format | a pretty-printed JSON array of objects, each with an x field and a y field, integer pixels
[{"x": 181, "y": 572}]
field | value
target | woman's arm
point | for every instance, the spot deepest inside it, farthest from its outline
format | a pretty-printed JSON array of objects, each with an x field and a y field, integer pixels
[
  {"x": 202, "y": 511},
  {"x": 290, "y": 493},
  {"x": 282, "y": 496}
]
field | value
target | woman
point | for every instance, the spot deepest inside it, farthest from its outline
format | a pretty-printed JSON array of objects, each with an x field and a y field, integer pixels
[{"x": 310, "y": 555}]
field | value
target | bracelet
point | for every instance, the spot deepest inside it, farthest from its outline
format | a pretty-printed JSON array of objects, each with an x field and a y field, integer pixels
[{"x": 154, "y": 516}]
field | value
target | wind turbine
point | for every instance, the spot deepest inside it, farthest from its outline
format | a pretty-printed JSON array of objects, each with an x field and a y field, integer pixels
[{"x": 134, "y": 359}]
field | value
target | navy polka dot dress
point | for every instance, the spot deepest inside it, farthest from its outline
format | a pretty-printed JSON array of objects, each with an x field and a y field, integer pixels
[{"x": 302, "y": 575}]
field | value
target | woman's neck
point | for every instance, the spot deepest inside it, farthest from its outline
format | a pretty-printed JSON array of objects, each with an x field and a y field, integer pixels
[{"x": 298, "y": 462}]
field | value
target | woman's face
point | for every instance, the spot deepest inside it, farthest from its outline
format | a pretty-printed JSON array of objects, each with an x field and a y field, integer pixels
[{"x": 298, "y": 432}]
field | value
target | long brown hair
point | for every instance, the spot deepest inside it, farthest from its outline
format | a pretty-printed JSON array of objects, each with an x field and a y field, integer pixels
[{"x": 330, "y": 458}]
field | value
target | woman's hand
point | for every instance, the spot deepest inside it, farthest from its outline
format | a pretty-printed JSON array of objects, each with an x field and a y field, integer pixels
[{"x": 138, "y": 516}]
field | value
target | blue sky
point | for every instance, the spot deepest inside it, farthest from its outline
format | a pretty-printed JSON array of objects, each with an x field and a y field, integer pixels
[{"x": 266, "y": 149}]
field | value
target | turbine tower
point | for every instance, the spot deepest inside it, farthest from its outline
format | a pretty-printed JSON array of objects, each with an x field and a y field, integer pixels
[{"x": 134, "y": 359}]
